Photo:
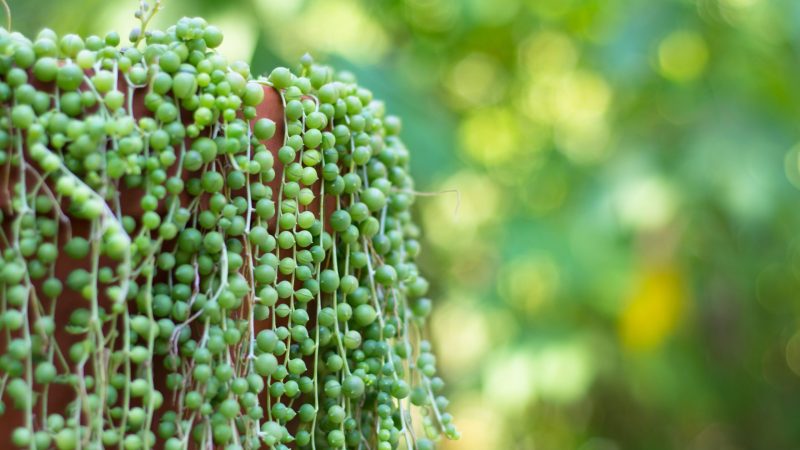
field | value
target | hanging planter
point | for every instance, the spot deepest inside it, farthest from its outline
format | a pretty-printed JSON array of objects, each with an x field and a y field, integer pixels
[{"x": 197, "y": 257}]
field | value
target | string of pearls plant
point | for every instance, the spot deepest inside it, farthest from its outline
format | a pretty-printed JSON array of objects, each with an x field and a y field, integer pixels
[{"x": 226, "y": 299}]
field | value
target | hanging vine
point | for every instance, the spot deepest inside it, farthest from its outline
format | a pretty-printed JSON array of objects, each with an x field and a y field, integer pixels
[{"x": 219, "y": 290}]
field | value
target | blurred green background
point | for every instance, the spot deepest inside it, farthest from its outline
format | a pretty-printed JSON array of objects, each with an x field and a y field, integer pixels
[{"x": 622, "y": 270}]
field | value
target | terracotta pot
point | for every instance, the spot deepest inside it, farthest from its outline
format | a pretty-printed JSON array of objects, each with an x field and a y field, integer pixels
[{"x": 60, "y": 396}]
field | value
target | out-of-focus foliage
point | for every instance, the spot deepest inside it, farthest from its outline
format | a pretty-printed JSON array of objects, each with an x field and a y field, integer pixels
[{"x": 623, "y": 269}]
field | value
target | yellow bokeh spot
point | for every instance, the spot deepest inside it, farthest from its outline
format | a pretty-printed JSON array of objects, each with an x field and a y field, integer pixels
[
  {"x": 530, "y": 282},
  {"x": 559, "y": 372},
  {"x": 491, "y": 136},
  {"x": 738, "y": 3},
  {"x": 645, "y": 202},
  {"x": 548, "y": 52},
  {"x": 581, "y": 97},
  {"x": 432, "y": 15},
  {"x": 474, "y": 80},
  {"x": 564, "y": 371},
  {"x": 279, "y": 9},
  {"x": 358, "y": 36},
  {"x": 574, "y": 104},
  {"x": 452, "y": 221},
  {"x": 481, "y": 427},
  {"x": 682, "y": 56},
  {"x": 240, "y": 39},
  {"x": 571, "y": 99},
  {"x": 509, "y": 381},
  {"x": 654, "y": 309},
  {"x": 584, "y": 144},
  {"x": 461, "y": 322}
]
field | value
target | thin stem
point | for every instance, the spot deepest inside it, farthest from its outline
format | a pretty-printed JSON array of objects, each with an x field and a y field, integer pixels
[
  {"x": 145, "y": 17},
  {"x": 8, "y": 14}
]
